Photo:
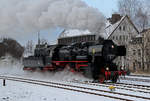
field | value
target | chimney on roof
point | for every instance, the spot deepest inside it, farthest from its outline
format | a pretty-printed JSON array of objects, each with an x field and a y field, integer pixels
[{"x": 114, "y": 18}]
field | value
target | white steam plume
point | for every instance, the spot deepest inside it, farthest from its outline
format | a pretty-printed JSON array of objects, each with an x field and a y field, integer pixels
[{"x": 17, "y": 16}]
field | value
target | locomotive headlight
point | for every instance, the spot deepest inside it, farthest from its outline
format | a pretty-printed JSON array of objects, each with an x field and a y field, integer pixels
[
  {"x": 112, "y": 46},
  {"x": 107, "y": 68}
]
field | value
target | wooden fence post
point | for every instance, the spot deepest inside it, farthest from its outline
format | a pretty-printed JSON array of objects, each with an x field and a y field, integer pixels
[{"x": 4, "y": 82}]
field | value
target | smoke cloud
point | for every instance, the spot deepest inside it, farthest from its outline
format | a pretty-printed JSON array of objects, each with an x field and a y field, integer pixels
[{"x": 24, "y": 16}]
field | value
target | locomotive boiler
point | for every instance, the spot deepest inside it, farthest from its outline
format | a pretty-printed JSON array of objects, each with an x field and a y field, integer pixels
[{"x": 94, "y": 60}]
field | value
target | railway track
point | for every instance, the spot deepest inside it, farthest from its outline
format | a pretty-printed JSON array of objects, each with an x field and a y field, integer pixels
[
  {"x": 123, "y": 86},
  {"x": 137, "y": 79},
  {"x": 140, "y": 75},
  {"x": 145, "y": 87},
  {"x": 86, "y": 90}
]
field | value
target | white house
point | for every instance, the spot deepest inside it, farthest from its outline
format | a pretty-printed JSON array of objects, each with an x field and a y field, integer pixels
[{"x": 121, "y": 30}]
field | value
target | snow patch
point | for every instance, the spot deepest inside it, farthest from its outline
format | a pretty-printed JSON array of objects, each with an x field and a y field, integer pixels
[{"x": 74, "y": 32}]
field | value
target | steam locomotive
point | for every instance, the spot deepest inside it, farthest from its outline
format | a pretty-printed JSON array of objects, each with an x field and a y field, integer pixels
[{"x": 93, "y": 60}]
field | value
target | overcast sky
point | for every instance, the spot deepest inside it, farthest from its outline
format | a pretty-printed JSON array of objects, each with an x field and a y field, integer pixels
[{"x": 107, "y": 7}]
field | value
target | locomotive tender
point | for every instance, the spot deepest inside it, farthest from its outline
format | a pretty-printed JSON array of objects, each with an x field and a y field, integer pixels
[{"x": 94, "y": 60}]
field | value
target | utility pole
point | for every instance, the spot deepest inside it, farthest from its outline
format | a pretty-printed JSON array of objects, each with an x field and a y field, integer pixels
[
  {"x": 4, "y": 82},
  {"x": 39, "y": 38}
]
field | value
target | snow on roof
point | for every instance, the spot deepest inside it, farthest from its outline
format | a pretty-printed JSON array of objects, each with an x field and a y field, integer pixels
[
  {"x": 138, "y": 36},
  {"x": 74, "y": 32},
  {"x": 111, "y": 27}
]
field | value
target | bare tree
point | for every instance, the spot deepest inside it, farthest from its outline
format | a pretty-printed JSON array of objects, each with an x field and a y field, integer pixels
[
  {"x": 29, "y": 48},
  {"x": 11, "y": 47},
  {"x": 129, "y": 7},
  {"x": 136, "y": 10},
  {"x": 142, "y": 19},
  {"x": 43, "y": 41}
]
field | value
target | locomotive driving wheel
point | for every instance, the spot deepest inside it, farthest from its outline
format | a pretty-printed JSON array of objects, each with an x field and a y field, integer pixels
[
  {"x": 67, "y": 67},
  {"x": 101, "y": 78},
  {"x": 115, "y": 78}
]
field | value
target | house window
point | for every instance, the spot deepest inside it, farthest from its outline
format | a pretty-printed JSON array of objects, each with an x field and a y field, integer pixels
[
  {"x": 134, "y": 68},
  {"x": 116, "y": 37},
  {"x": 124, "y": 28},
  {"x": 120, "y": 28},
  {"x": 123, "y": 38},
  {"x": 134, "y": 52},
  {"x": 113, "y": 37},
  {"x": 84, "y": 38},
  {"x": 139, "y": 64},
  {"x": 126, "y": 38},
  {"x": 148, "y": 39},
  {"x": 139, "y": 52},
  {"x": 120, "y": 38},
  {"x": 92, "y": 38},
  {"x": 88, "y": 38},
  {"x": 75, "y": 39},
  {"x": 81, "y": 38},
  {"x": 147, "y": 51}
]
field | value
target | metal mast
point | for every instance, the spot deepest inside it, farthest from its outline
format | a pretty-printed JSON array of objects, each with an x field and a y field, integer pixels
[{"x": 39, "y": 38}]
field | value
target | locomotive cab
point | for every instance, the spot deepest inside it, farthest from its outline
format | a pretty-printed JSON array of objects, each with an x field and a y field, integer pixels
[{"x": 103, "y": 55}]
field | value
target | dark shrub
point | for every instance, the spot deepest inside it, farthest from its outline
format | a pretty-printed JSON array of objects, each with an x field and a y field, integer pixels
[{"x": 12, "y": 47}]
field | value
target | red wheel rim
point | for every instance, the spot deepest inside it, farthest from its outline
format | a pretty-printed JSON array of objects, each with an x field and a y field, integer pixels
[{"x": 101, "y": 79}]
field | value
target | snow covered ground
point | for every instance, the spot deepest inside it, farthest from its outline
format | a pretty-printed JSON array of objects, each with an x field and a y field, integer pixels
[{"x": 17, "y": 91}]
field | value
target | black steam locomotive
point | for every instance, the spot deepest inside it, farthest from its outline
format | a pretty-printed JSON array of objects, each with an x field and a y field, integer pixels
[{"x": 92, "y": 59}]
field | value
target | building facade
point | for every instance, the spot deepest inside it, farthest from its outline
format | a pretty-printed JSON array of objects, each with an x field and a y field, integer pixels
[
  {"x": 76, "y": 36},
  {"x": 135, "y": 54},
  {"x": 139, "y": 52},
  {"x": 76, "y": 39},
  {"x": 146, "y": 49}
]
